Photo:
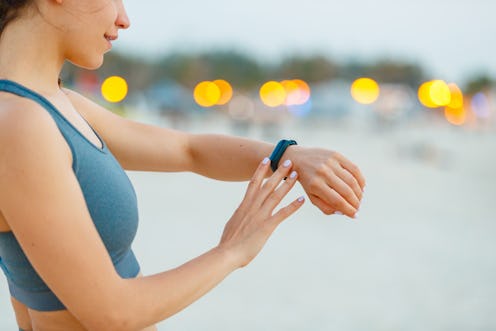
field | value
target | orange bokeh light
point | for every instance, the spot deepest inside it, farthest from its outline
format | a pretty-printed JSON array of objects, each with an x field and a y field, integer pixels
[
  {"x": 226, "y": 91},
  {"x": 293, "y": 92},
  {"x": 456, "y": 116},
  {"x": 456, "y": 96}
]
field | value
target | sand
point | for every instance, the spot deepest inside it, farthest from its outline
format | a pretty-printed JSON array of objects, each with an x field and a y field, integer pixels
[{"x": 422, "y": 255}]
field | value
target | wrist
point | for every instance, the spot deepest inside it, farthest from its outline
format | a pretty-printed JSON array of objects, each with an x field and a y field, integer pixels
[
  {"x": 291, "y": 153},
  {"x": 279, "y": 153},
  {"x": 229, "y": 256}
]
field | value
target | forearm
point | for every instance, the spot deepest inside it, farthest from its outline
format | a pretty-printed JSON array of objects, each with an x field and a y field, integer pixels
[
  {"x": 148, "y": 300},
  {"x": 226, "y": 157}
]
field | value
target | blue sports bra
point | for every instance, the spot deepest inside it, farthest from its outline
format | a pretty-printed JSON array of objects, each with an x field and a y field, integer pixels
[{"x": 110, "y": 199}]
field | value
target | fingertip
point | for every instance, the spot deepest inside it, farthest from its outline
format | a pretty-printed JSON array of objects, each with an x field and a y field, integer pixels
[
  {"x": 265, "y": 161},
  {"x": 301, "y": 200}
]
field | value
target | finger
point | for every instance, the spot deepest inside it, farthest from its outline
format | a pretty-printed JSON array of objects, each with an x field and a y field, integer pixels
[
  {"x": 332, "y": 198},
  {"x": 351, "y": 181},
  {"x": 270, "y": 184},
  {"x": 285, "y": 212},
  {"x": 324, "y": 207},
  {"x": 338, "y": 185},
  {"x": 257, "y": 179},
  {"x": 276, "y": 196},
  {"x": 352, "y": 168}
]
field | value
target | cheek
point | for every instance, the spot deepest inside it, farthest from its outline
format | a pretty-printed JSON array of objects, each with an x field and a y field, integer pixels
[{"x": 86, "y": 50}]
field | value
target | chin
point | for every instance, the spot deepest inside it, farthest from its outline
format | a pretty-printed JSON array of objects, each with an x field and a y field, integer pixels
[{"x": 88, "y": 63}]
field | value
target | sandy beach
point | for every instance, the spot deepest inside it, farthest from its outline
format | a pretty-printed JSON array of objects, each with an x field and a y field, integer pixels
[{"x": 422, "y": 255}]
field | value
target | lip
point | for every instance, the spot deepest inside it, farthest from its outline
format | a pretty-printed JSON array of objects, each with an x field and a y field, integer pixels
[{"x": 110, "y": 39}]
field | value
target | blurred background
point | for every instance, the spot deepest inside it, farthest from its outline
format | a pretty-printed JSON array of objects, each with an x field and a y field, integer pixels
[{"x": 405, "y": 89}]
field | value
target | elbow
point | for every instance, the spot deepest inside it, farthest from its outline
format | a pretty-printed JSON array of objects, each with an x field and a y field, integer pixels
[{"x": 112, "y": 319}]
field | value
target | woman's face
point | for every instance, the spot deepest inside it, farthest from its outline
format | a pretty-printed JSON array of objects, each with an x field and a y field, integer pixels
[{"x": 87, "y": 29}]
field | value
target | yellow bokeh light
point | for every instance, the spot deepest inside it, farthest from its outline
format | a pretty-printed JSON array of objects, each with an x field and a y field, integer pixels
[
  {"x": 424, "y": 95},
  {"x": 114, "y": 89},
  {"x": 365, "y": 91},
  {"x": 207, "y": 94},
  {"x": 440, "y": 93},
  {"x": 226, "y": 91},
  {"x": 456, "y": 116},
  {"x": 273, "y": 94},
  {"x": 456, "y": 96}
]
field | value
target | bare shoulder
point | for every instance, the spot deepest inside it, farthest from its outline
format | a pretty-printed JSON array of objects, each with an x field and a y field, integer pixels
[
  {"x": 22, "y": 119},
  {"x": 27, "y": 131}
]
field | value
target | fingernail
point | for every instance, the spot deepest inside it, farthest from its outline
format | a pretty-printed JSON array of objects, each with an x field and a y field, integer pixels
[
  {"x": 293, "y": 175},
  {"x": 338, "y": 213},
  {"x": 266, "y": 160},
  {"x": 301, "y": 199},
  {"x": 357, "y": 215},
  {"x": 286, "y": 163}
]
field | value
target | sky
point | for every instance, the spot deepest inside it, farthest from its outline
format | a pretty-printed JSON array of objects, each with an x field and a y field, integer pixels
[{"x": 452, "y": 39}]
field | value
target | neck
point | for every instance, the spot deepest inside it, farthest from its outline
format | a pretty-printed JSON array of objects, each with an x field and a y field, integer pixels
[{"x": 30, "y": 55}]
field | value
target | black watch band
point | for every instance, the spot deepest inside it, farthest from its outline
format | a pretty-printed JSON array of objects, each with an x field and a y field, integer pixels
[{"x": 279, "y": 150}]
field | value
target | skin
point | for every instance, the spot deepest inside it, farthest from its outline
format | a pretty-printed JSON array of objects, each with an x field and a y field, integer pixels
[{"x": 35, "y": 169}]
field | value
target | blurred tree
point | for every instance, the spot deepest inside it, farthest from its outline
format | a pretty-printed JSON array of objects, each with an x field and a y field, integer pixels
[
  {"x": 478, "y": 83},
  {"x": 239, "y": 69},
  {"x": 312, "y": 69},
  {"x": 248, "y": 73},
  {"x": 386, "y": 71}
]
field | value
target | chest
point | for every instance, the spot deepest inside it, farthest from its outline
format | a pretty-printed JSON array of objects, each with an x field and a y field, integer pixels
[{"x": 71, "y": 114}]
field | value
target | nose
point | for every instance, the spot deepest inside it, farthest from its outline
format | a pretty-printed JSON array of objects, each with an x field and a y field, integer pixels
[{"x": 122, "y": 20}]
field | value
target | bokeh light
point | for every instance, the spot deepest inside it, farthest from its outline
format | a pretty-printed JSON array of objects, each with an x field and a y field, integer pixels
[
  {"x": 456, "y": 116},
  {"x": 114, "y": 89},
  {"x": 456, "y": 96},
  {"x": 304, "y": 91},
  {"x": 440, "y": 93},
  {"x": 424, "y": 95},
  {"x": 241, "y": 108},
  {"x": 273, "y": 94},
  {"x": 435, "y": 93},
  {"x": 365, "y": 91},
  {"x": 226, "y": 91},
  {"x": 455, "y": 111},
  {"x": 480, "y": 105},
  {"x": 207, "y": 94},
  {"x": 292, "y": 92}
]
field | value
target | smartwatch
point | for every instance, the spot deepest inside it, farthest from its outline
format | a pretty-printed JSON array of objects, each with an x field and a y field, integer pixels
[{"x": 279, "y": 150}]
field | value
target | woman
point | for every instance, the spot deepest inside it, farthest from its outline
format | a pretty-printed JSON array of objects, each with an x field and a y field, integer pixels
[{"x": 68, "y": 212}]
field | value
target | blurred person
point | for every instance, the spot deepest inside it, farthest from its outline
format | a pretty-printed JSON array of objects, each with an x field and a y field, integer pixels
[{"x": 68, "y": 212}]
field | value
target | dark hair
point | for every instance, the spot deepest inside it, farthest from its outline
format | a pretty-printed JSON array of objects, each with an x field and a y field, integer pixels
[{"x": 9, "y": 9}]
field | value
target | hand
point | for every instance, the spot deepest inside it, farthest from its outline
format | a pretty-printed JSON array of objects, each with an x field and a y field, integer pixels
[
  {"x": 333, "y": 183},
  {"x": 254, "y": 221}
]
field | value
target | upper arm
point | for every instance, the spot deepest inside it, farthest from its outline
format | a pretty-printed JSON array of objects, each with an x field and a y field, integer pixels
[
  {"x": 137, "y": 146},
  {"x": 45, "y": 208}
]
